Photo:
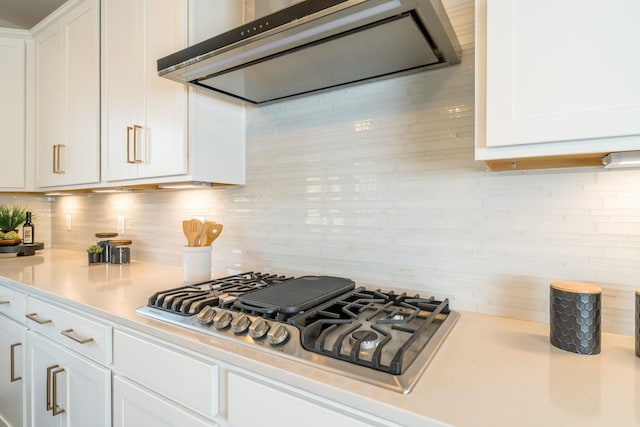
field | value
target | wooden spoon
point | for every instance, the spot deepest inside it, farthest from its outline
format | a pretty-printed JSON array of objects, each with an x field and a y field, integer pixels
[
  {"x": 206, "y": 228},
  {"x": 213, "y": 233},
  {"x": 192, "y": 230}
]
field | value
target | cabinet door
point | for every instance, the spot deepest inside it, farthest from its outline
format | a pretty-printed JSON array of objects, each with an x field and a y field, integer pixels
[
  {"x": 561, "y": 71},
  {"x": 13, "y": 373},
  {"x": 50, "y": 104},
  {"x": 122, "y": 43},
  {"x": 164, "y": 149},
  {"x": 67, "y": 382},
  {"x": 134, "y": 406},
  {"x": 12, "y": 112},
  {"x": 143, "y": 129},
  {"x": 68, "y": 87},
  {"x": 82, "y": 74}
]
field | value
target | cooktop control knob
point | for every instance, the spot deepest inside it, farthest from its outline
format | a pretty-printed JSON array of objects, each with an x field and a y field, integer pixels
[
  {"x": 222, "y": 320},
  {"x": 240, "y": 324},
  {"x": 258, "y": 329},
  {"x": 277, "y": 335},
  {"x": 206, "y": 315}
]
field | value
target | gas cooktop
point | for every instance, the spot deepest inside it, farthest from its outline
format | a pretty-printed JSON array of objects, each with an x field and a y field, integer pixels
[{"x": 382, "y": 337}]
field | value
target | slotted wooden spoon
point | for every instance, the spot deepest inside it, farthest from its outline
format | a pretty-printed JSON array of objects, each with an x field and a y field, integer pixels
[
  {"x": 192, "y": 230},
  {"x": 213, "y": 232}
]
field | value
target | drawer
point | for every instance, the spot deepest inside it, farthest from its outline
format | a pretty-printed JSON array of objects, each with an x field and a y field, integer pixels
[
  {"x": 13, "y": 304},
  {"x": 187, "y": 380},
  {"x": 72, "y": 329}
]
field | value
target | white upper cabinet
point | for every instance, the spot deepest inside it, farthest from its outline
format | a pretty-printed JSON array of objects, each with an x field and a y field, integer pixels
[
  {"x": 556, "y": 78},
  {"x": 12, "y": 112},
  {"x": 67, "y": 90},
  {"x": 144, "y": 133},
  {"x": 155, "y": 130}
]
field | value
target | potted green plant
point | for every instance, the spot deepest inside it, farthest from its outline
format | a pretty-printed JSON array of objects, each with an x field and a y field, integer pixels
[
  {"x": 94, "y": 252},
  {"x": 11, "y": 218}
]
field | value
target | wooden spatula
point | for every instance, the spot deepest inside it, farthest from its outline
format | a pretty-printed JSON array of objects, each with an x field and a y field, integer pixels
[
  {"x": 214, "y": 231},
  {"x": 192, "y": 230}
]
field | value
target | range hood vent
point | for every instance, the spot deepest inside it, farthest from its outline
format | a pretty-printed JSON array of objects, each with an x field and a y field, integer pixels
[{"x": 316, "y": 45}]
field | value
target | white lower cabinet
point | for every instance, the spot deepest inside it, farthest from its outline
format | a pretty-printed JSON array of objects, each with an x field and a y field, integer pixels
[
  {"x": 66, "y": 389},
  {"x": 13, "y": 373},
  {"x": 134, "y": 406},
  {"x": 272, "y": 405},
  {"x": 184, "y": 379}
]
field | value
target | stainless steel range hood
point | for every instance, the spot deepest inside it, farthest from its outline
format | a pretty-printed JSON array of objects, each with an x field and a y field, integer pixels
[{"x": 314, "y": 45}]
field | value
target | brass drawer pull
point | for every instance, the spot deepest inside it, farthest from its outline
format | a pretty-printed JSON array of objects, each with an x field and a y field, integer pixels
[
  {"x": 13, "y": 362},
  {"x": 57, "y": 410},
  {"x": 4, "y": 302},
  {"x": 38, "y": 320},
  {"x": 49, "y": 369},
  {"x": 69, "y": 333}
]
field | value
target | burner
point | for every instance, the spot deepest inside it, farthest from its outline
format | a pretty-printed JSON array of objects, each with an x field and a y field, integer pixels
[{"x": 368, "y": 339}]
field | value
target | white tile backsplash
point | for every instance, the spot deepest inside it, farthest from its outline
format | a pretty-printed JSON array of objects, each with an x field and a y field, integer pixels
[{"x": 378, "y": 182}]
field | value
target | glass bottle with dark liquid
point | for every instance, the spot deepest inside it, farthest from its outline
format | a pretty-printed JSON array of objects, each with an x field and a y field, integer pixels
[{"x": 28, "y": 236}]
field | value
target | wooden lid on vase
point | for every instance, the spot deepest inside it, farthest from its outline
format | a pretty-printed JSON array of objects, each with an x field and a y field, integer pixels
[{"x": 576, "y": 287}]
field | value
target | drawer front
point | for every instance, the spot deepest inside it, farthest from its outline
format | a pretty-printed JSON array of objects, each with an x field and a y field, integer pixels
[
  {"x": 13, "y": 304},
  {"x": 268, "y": 404},
  {"x": 191, "y": 382},
  {"x": 71, "y": 329}
]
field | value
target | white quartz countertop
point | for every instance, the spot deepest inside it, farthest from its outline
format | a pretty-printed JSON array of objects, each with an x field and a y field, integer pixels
[{"x": 490, "y": 371}]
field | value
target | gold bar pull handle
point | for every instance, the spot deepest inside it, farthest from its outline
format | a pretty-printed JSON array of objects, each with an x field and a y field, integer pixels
[
  {"x": 60, "y": 147},
  {"x": 4, "y": 302},
  {"x": 49, "y": 369},
  {"x": 70, "y": 333},
  {"x": 55, "y": 158},
  {"x": 13, "y": 362},
  {"x": 38, "y": 320},
  {"x": 129, "y": 129},
  {"x": 57, "y": 410},
  {"x": 135, "y": 143}
]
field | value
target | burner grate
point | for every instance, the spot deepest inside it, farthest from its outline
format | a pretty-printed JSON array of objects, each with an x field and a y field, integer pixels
[
  {"x": 191, "y": 299},
  {"x": 405, "y": 325}
]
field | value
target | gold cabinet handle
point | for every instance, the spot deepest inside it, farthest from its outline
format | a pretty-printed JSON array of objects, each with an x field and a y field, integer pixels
[
  {"x": 60, "y": 147},
  {"x": 69, "y": 333},
  {"x": 133, "y": 129},
  {"x": 13, "y": 362},
  {"x": 57, "y": 410},
  {"x": 129, "y": 129},
  {"x": 55, "y": 158},
  {"x": 4, "y": 302},
  {"x": 49, "y": 369},
  {"x": 135, "y": 143},
  {"x": 38, "y": 320}
]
